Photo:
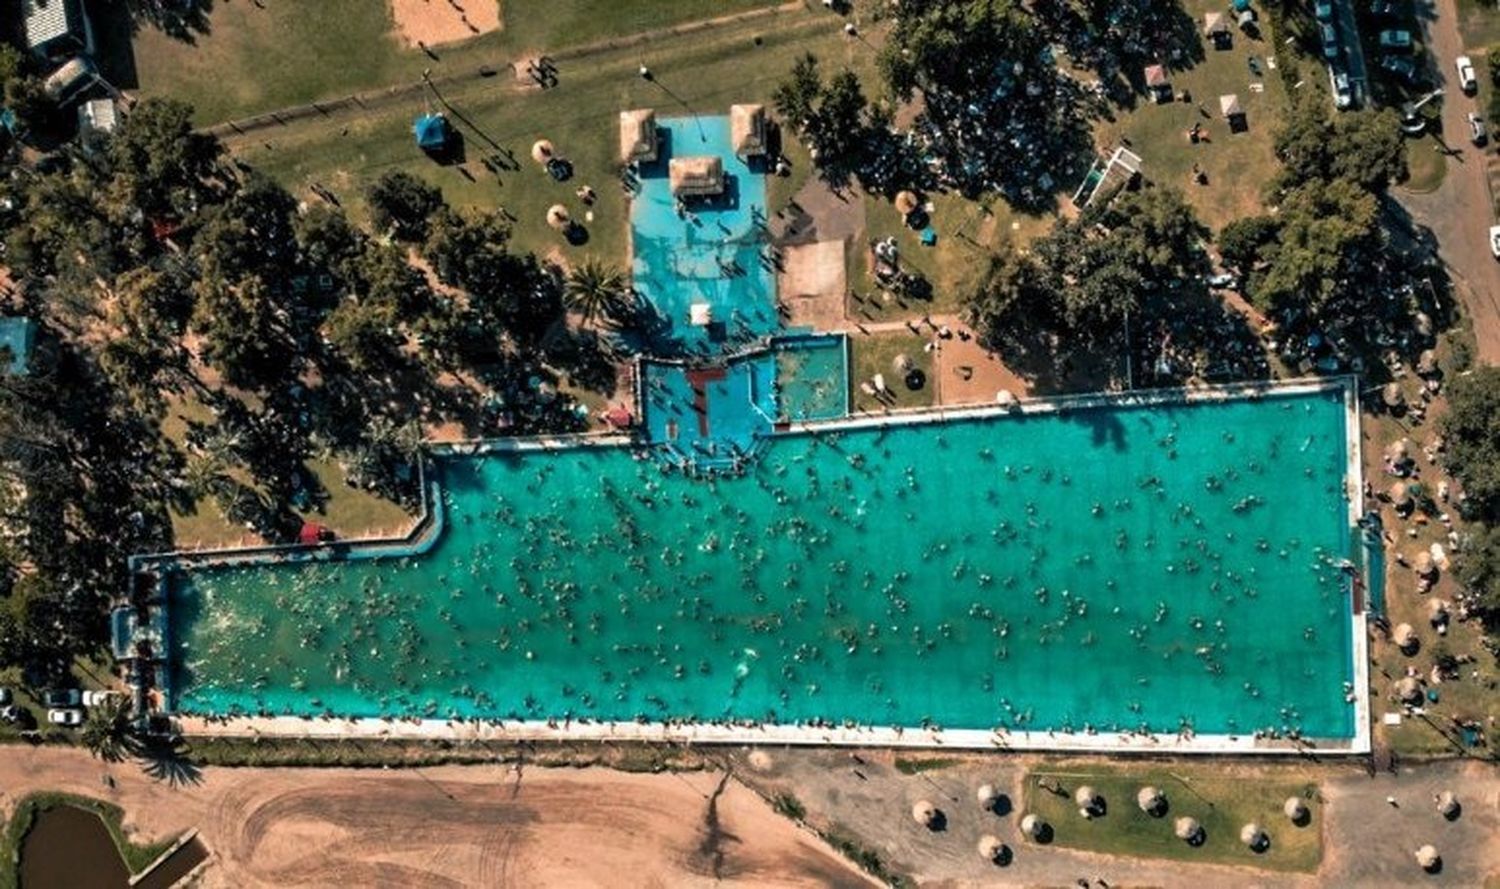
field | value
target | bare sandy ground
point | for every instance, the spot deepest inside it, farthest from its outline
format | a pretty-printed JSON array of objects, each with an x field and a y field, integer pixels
[
  {"x": 452, "y": 826},
  {"x": 434, "y": 22},
  {"x": 811, "y": 283}
]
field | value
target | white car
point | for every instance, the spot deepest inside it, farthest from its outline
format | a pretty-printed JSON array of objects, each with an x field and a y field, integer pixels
[
  {"x": 1343, "y": 93},
  {"x": 1495, "y": 240},
  {"x": 1466, "y": 78},
  {"x": 93, "y": 698},
  {"x": 1477, "y": 133},
  {"x": 70, "y": 717}
]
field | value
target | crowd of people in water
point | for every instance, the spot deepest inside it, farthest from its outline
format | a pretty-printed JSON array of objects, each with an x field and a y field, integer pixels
[{"x": 582, "y": 586}]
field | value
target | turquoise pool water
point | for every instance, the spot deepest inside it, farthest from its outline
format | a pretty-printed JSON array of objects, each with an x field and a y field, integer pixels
[
  {"x": 713, "y": 254},
  {"x": 1120, "y": 567}
]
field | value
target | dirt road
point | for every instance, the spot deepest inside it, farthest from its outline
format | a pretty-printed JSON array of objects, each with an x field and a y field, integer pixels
[
  {"x": 453, "y": 826},
  {"x": 1459, "y": 212}
]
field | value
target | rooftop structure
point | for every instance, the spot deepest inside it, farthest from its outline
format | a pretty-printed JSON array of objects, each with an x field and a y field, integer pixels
[
  {"x": 56, "y": 29},
  {"x": 747, "y": 126},
  {"x": 700, "y": 176},
  {"x": 638, "y": 136},
  {"x": 98, "y": 116}
]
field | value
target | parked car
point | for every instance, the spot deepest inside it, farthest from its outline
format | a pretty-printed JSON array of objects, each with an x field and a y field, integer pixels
[
  {"x": 1222, "y": 281},
  {"x": 1477, "y": 133},
  {"x": 71, "y": 717},
  {"x": 58, "y": 698},
  {"x": 1402, "y": 67},
  {"x": 5, "y": 696},
  {"x": 92, "y": 698},
  {"x": 10, "y": 713},
  {"x": 1495, "y": 240},
  {"x": 1396, "y": 39},
  {"x": 1386, "y": 8},
  {"x": 1466, "y": 78},
  {"x": 1330, "y": 38},
  {"x": 1343, "y": 93},
  {"x": 1323, "y": 10}
]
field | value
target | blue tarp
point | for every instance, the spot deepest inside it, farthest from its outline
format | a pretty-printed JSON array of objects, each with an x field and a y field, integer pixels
[
  {"x": 17, "y": 335},
  {"x": 431, "y": 131}
]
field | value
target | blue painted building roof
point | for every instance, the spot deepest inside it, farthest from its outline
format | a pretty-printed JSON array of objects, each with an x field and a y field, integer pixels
[{"x": 17, "y": 336}]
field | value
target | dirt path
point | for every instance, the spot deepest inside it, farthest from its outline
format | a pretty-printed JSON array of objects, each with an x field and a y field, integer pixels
[
  {"x": 453, "y": 826},
  {"x": 1459, "y": 212}
]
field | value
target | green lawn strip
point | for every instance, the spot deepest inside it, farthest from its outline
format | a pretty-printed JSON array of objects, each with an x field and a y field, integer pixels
[
  {"x": 1237, "y": 164},
  {"x": 907, "y": 765},
  {"x": 871, "y": 355},
  {"x": 580, "y": 117},
  {"x": 1221, "y": 803},
  {"x": 136, "y": 857},
  {"x": 258, "y": 58}
]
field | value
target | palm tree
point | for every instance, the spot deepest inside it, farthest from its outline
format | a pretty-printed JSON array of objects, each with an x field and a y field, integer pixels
[
  {"x": 597, "y": 291},
  {"x": 106, "y": 733}
]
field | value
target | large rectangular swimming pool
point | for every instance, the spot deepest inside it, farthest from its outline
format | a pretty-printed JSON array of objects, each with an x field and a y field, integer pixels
[{"x": 1110, "y": 568}]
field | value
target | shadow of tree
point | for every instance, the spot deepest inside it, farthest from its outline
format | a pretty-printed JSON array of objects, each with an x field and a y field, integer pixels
[{"x": 168, "y": 759}]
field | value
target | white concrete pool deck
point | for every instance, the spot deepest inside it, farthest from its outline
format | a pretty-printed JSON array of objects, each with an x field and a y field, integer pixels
[{"x": 333, "y": 728}]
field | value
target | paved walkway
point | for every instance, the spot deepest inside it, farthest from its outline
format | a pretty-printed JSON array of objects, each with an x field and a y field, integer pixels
[{"x": 1460, "y": 211}]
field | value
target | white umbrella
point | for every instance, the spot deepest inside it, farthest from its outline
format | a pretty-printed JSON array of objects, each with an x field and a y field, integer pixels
[
  {"x": 1253, "y": 835},
  {"x": 1032, "y": 826},
  {"x": 987, "y": 795},
  {"x": 924, "y": 813},
  {"x": 1151, "y": 800},
  {"x": 1295, "y": 808},
  {"x": 1187, "y": 829},
  {"x": 1428, "y": 858},
  {"x": 990, "y": 847},
  {"x": 1447, "y": 804}
]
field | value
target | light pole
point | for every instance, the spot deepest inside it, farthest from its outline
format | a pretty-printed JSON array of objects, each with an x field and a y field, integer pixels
[{"x": 650, "y": 77}]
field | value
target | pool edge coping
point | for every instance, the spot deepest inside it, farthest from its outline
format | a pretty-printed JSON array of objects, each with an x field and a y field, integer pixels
[{"x": 429, "y": 525}]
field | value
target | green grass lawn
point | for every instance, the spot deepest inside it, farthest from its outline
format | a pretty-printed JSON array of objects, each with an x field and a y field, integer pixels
[
  {"x": 255, "y": 59},
  {"x": 1239, "y": 164},
  {"x": 1425, "y": 165},
  {"x": 1479, "y": 25},
  {"x": 871, "y": 355},
  {"x": 965, "y": 230},
  {"x": 350, "y": 512},
  {"x": 1221, "y": 801},
  {"x": 707, "y": 72}
]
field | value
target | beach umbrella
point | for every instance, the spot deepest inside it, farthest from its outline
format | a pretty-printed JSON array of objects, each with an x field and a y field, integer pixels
[
  {"x": 1400, "y": 495},
  {"x": 1032, "y": 826},
  {"x": 542, "y": 151},
  {"x": 902, "y": 363},
  {"x": 1428, "y": 858},
  {"x": 1437, "y": 610},
  {"x": 1151, "y": 800},
  {"x": 1447, "y": 804},
  {"x": 1392, "y": 396},
  {"x": 1005, "y": 397},
  {"x": 924, "y": 813},
  {"x": 1427, "y": 363},
  {"x": 906, "y": 202},
  {"x": 1187, "y": 829},
  {"x": 1253, "y": 835},
  {"x": 1423, "y": 564},
  {"x": 1404, "y": 636},
  {"x": 1295, "y": 809},
  {"x": 990, "y": 847},
  {"x": 1409, "y": 690},
  {"x": 558, "y": 217},
  {"x": 1086, "y": 798},
  {"x": 987, "y": 795},
  {"x": 1399, "y": 451}
]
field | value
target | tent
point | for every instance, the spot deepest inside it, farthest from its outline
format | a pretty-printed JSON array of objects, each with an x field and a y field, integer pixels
[
  {"x": 432, "y": 132},
  {"x": 1216, "y": 26}
]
